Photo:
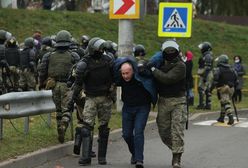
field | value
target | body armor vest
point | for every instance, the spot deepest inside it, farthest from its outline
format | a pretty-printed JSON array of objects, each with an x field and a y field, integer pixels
[
  {"x": 227, "y": 77},
  {"x": 25, "y": 58},
  {"x": 13, "y": 56},
  {"x": 2, "y": 52},
  {"x": 98, "y": 77},
  {"x": 60, "y": 64}
]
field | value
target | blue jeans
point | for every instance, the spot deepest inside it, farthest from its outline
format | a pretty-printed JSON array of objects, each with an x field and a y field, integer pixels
[{"x": 133, "y": 125}]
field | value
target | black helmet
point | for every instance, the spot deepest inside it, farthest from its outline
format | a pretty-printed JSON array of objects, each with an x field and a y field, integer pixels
[
  {"x": 4, "y": 35},
  {"x": 11, "y": 42},
  {"x": 222, "y": 59},
  {"x": 96, "y": 44},
  {"x": 139, "y": 50},
  {"x": 205, "y": 46},
  {"x": 63, "y": 39},
  {"x": 47, "y": 41},
  {"x": 111, "y": 46},
  {"x": 85, "y": 40},
  {"x": 29, "y": 42}
]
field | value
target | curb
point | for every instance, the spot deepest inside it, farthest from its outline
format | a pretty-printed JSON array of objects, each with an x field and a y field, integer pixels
[
  {"x": 39, "y": 157},
  {"x": 42, "y": 156}
]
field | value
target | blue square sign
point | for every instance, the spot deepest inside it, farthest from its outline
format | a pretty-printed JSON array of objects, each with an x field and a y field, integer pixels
[{"x": 175, "y": 19}]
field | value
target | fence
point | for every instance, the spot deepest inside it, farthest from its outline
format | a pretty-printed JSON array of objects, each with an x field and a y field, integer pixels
[
  {"x": 25, "y": 104},
  {"x": 196, "y": 81}
]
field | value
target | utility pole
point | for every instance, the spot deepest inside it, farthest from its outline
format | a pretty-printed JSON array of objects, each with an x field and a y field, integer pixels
[
  {"x": 125, "y": 48},
  {"x": 125, "y": 11}
]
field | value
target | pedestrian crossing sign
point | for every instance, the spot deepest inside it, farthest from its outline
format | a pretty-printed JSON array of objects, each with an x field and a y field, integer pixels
[{"x": 175, "y": 19}]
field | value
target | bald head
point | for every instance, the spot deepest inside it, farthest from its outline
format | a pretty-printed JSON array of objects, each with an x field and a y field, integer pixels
[{"x": 127, "y": 71}]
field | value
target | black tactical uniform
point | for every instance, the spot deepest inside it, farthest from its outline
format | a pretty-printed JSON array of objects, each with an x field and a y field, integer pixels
[
  {"x": 206, "y": 75},
  {"x": 94, "y": 75},
  {"x": 225, "y": 80}
]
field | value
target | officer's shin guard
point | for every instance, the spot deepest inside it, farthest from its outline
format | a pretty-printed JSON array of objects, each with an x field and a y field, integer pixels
[
  {"x": 208, "y": 100},
  {"x": 86, "y": 147},
  {"x": 103, "y": 144},
  {"x": 78, "y": 141},
  {"x": 231, "y": 120}
]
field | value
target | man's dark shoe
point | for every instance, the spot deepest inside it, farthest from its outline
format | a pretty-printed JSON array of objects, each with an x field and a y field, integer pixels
[
  {"x": 221, "y": 118},
  {"x": 132, "y": 161},
  {"x": 84, "y": 162},
  {"x": 139, "y": 165},
  {"x": 102, "y": 161}
]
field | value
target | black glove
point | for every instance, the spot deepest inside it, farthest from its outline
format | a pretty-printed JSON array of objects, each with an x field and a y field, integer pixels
[{"x": 149, "y": 65}]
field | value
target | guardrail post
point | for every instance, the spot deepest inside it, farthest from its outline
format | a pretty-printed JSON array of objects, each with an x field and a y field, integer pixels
[
  {"x": 49, "y": 120},
  {"x": 1, "y": 129},
  {"x": 26, "y": 125}
]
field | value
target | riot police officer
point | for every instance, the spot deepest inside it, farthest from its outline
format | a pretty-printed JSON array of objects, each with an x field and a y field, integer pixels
[
  {"x": 28, "y": 68},
  {"x": 206, "y": 75},
  {"x": 4, "y": 35},
  {"x": 46, "y": 46},
  {"x": 54, "y": 71},
  {"x": 13, "y": 59},
  {"x": 225, "y": 80},
  {"x": 94, "y": 75},
  {"x": 169, "y": 72}
]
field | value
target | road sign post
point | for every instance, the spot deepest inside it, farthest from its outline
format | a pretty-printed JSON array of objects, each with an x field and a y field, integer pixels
[
  {"x": 125, "y": 11},
  {"x": 175, "y": 19}
]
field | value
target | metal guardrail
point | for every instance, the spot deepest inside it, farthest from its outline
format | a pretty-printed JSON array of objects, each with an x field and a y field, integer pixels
[
  {"x": 25, "y": 104},
  {"x": 196, "y": 81}
]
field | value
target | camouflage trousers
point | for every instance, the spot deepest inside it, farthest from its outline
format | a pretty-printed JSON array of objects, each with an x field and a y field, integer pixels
[
  {"x": 171, "y": 122},
  {"x": 99, "y": 106},
  {"x": 204, "y": 85},
  {"x": 80, "y": 102},
  {"x": 27, "y": 80},
  {"x": 225, "y": 94},
  {"x": 61, "y": 97},
  {"x": 9, "y": 81},
  {"x": 13, "y": 82}
]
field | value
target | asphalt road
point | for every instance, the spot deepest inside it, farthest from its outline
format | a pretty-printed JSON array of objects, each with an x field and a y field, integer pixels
[{"x": 205, "y": 147}]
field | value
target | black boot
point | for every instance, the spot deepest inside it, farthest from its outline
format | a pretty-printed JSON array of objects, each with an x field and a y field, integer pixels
[
  {"x": 222, "y": 117},
  {"x": 78, "y": 141},
  {"x": 86, "y": 147},
  {"x": 176, "y": 160},
  {"x": 201, "y": 104},
  {"x": 231, "y": 120},
  {"x": 103, "y": 144},
  {"x": 191, "y": 101}
]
